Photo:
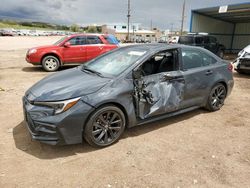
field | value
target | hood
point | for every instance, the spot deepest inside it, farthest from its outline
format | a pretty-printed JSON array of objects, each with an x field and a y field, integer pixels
[
  {"x": 45, "y": 46},
  {"x": 247, "y": 49},
  {"x": 64, "y": 85}
]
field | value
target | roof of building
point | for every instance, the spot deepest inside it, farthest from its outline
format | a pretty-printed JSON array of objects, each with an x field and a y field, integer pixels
[
  {"x": 236, "y": 13},
  {"x": 142, "y": 31}
]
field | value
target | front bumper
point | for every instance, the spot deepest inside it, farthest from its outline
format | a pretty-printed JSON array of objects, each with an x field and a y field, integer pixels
[
  {"x": 32, "y": 59},
  {"x": 65, "y": 128},
  {"x": 242, "y": 64}
]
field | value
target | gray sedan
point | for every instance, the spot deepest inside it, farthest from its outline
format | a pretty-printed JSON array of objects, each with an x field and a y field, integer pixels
[{"x": 126, "y": 87}]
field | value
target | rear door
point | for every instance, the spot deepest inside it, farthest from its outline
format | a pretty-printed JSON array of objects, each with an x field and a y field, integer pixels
[
  {"x": 160, "y": 90},
  {"x": 76, "y": 52},
  {"x": 95, "y": 47},
  {"x": 198, "y": 71}
]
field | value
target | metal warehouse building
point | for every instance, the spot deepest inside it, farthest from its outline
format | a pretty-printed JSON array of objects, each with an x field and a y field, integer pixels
[{"x": 229, "y": 24}]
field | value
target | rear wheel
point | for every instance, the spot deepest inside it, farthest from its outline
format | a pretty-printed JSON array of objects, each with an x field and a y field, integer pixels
[
  {"x": 216, "y": 97},
  {"x": 50, "y": 63},
  {"x": 105, "y": 126}
]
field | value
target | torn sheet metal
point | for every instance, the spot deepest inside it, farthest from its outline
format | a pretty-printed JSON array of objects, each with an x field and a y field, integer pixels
[{"x": 156, "y": 95}]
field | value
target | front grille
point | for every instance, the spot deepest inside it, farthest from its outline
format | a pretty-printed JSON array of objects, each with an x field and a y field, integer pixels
[
  {"x": 31, "y": 123},
  {"x": 245, "y": 62}
]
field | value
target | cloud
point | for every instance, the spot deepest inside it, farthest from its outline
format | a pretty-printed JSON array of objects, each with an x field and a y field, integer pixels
[{"x": 163, "y": 13}]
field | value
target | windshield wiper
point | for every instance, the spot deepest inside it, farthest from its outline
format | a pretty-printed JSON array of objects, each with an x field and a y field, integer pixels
[{"x": 85, "y": 68}]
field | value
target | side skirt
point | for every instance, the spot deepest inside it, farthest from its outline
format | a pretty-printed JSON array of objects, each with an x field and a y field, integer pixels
[{"x": 153, "y": 119}]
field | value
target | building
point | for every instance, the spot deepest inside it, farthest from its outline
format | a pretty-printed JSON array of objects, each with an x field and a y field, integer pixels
[
  {"x": 138, "y": 34},
  {"x": 230, "y": 24}
]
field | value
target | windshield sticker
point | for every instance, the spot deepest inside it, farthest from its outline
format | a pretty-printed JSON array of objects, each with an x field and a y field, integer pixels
[{"x": 137, "y": 53}]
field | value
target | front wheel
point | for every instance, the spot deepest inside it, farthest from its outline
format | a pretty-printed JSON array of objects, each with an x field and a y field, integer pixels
[
  {"x": 221, "y": 54},
  {"x": 216, "y": 97},
  {"x": 105, "y": 126},
  {"x": 50, "y": 63}
]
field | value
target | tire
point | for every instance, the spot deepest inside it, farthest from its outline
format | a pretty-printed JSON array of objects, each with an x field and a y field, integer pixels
[
  {"x": 50, "y": 63},
  {"x": 105, "y": 126},
  {"x": 216, "y": 97},
  {"x": 221, "y": 53}
]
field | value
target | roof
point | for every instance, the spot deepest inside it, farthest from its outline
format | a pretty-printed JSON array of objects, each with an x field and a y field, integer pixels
[
  {"x": 141, "y": 31},
  {"x": 154, "y": 46},
  {"x": 236, "y": 13}
]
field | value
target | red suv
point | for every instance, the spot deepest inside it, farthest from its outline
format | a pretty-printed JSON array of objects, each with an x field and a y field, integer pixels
[{"x": 74, "y": 49}]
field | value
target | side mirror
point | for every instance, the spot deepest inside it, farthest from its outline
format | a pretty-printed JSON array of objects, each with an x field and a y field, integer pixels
[
  {"x": 67, "y": 44},
  {"x": 137, "y": 74}
]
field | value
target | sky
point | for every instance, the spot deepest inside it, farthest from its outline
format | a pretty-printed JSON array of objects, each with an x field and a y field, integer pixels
[{"x": 163, "y": 13}]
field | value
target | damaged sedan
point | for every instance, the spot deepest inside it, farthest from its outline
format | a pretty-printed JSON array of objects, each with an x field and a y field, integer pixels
[
  {"x": 129, "y": 86},
  {"x": 242, "y": 62}
]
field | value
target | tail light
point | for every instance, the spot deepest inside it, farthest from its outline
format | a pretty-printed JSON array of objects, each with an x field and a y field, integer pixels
[{"x": 230, "y": 67}]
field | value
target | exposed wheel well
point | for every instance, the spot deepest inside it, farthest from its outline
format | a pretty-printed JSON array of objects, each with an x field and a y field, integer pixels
[{"x": 51, "y": 54}]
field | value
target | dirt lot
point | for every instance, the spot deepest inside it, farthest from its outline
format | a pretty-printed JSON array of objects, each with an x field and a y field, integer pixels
[{"x": 197, "y": 149}]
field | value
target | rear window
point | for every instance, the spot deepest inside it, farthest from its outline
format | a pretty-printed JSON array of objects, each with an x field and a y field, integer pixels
[
  {"x": 186, "y": 40},
  {"x": 111, "y": 39}
]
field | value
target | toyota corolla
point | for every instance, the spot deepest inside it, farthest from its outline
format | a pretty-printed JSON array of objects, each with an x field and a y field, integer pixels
[{"x": 129, "y": 86}]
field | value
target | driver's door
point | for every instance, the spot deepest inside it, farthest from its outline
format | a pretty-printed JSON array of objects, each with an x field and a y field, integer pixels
[{"x": 159, "y": 93}]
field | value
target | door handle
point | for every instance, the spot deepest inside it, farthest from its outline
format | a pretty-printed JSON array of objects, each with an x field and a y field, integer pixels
[
  {"x": 171, "y": 78},
  {"x": 209, "y": 72}
]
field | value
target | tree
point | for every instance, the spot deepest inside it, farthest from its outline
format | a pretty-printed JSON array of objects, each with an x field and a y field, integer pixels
[
  {"x": 75, "y": 28},
  {"x": 92, "y": 29}
]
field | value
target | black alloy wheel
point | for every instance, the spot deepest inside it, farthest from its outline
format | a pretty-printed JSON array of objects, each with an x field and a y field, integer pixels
[
  {"x": 217, "y": 97},
  {"x": 105, "y": 126}
]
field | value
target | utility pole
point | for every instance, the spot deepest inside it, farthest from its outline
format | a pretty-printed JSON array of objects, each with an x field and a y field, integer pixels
[
  {"x": 151, "y": 25},
  {"x": 171, "y": 28},
  {"x": 128, "y": 19},
  {"x": 183, "y": 16}
]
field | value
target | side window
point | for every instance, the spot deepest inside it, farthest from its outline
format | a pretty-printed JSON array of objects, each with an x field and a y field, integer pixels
[
  {"x": 165, "y": 61},
  {"x": 93, "y": 40},
  {"x": 193, "y": 58},
  {"x": 81, "y": 40},
  {"x": 206, "y": 39},
  {"x": 111, "y": 39},
  {"x": 208, "y": 60},
  {"x": 199, "y": 40},
  {"x": 212, "y": 39}
]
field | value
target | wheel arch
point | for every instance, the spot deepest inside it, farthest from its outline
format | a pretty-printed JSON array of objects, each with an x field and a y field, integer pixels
[
  {"x": 51, "y": 54},
  {"x": 223, "y": 83},
  {"x": 116, "y": 104}
]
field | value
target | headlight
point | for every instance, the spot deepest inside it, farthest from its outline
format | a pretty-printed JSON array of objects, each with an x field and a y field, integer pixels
[
  {"x": 60, "y": 106},
  {"x": 246, "y": 55},
  {"x": 239, "y": 54},
  {"x": 32, "y": 51}
]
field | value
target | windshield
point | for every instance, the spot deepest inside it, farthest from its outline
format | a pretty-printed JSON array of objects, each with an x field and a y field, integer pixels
[
  {"x": 59, "y": 41},
  {"x": 116, "y": 62}
]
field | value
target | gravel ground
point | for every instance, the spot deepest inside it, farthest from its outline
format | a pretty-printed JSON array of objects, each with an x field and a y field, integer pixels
[{"x": 196, "y": 149}]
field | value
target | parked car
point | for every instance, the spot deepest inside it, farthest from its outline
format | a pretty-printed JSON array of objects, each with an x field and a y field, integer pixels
[
  {"x": 6, "y": 32},
  {"x": 205, "y": 41},
  {"x": 174, "y": 39},
  {"x": 242, "y": 63},
  {"x": 74, "y": 49},
  {"x": 129, "y": 86}
]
